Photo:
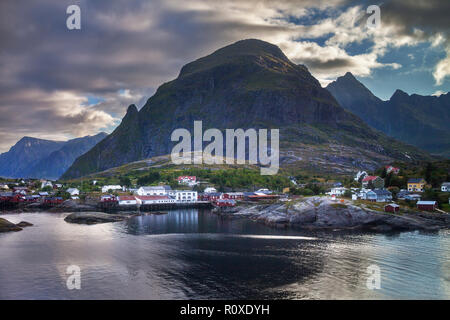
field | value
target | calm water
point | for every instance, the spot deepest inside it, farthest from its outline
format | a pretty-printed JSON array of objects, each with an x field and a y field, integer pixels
[{"x": 197, "y": 255}]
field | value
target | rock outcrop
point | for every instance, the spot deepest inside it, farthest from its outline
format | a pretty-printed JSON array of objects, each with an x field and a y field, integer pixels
[
  {"x": 94, "y": 217},
  {"x": 7, "y": 226},
  {"x": 323, "y": 213}
]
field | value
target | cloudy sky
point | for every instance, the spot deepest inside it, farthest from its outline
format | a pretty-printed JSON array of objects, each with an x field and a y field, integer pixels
[{"x": 58, "y": 84}]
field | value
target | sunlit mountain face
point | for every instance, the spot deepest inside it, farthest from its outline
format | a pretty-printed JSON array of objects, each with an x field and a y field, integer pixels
[{"x": 59, "y": 84}]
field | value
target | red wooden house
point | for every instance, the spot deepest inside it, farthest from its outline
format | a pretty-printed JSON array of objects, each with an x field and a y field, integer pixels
[
  {"x": 426, "y": 205},
  {"x": 392, "y": 207}
]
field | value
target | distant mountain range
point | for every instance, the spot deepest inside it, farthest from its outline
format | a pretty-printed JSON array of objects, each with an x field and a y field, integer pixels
[
  {"x": 249, "y": 84},
  {"x": 38, "y": 158},
  {"x": 423, "y": 121}
]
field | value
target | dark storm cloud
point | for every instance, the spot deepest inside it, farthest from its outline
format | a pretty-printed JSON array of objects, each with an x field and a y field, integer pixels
[{"x": 126, "y": 49}]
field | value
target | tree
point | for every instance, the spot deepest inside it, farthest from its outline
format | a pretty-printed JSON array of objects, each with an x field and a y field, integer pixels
[
  {"x": 347, "y": 194},
  {"x": 125, "y": 181}
]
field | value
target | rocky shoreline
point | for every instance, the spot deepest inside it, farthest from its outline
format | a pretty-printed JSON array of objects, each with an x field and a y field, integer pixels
[
  {"x": 7, "y": 226},
  {"x": 321, "y": 213}
]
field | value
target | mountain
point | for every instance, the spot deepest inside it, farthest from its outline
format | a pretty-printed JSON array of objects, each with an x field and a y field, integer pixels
[
  {"x": 249, "y": 84},
  {"x": 423, "y": 121},
  {"x": 38, "y": 158}
]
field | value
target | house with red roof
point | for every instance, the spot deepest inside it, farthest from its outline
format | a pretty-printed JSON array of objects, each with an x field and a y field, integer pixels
[{"x": 392, "y": 169}]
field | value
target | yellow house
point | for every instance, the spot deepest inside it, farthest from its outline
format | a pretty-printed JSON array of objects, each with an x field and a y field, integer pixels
[
  {"x": 416, "y": 184},
  {"x": 286, "y": 190}
]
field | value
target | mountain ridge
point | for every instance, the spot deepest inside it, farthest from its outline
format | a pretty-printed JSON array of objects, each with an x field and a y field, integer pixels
[
  {"x": 248, "y": 84},
  {"x": 40, "y": 158},
  {"x": 423, "y": 121}
]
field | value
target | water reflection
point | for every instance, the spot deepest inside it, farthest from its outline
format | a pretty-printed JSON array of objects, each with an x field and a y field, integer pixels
[{"x": 197, "y": 255}]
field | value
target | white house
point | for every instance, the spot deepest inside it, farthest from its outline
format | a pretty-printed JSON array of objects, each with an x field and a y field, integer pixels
[
  {"x": 187, "y": 180},
  {"x": 263, "y": 191},
  {"x": 210, "y": 190},
  {"x": 127, "y": 200},
  {"x": 105, "y": 189},
  {"x": 360, "y": 175},
  {"x": 155, "y": 191},
  {"x": 186, "y": 195},
  {"x": 46, "y": 184},
  {"x": 339, "y": 191},
  {"x": 445, "y": 187},
  {"x": 73, "y": 191},
  {"x": 154, "y": 199}
]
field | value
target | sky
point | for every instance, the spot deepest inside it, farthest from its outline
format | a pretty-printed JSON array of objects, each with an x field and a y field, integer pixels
[{"x": 58, "y": 84}]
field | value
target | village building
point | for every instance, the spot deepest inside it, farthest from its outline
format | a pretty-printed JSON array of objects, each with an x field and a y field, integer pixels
[
  {"x": 143, "y": 200},
  {"x": 426, "y": 205},
  {"x": 43, "y": 194},
  {"x": 155, "y": 191},
  {"x": 187, "y": 180},
  {"x": 107, "y": 188},
  {"x": 108, "y": 198},
  {"x": 337, "y": 191},
  {"x": 263, "y": 191},
  {"x": 416, "y": 184},
  {"x": 186, "y": 196},
  {"x": 360, "y": 176},
  {"x": 4, "y": 187},
  {"x": 391, "y": 169},
  {"x": 46, "y": 184},
  {"x": 392, "y": 207},
  {"x": 373, "y": 182},
  {"x": 127, "y": 200},
  {"x": 402, "y": 194},
  {"x": 382, "y": 195},
  {"x": 413, "y": 197},
  {"x": 225, "y": 203},
  {"x": 210, "y": 190},
  {"x": 73, "y": 191},
  {"x": 211, "y": 196},
  {"x": 20, "y": 190},
  {"x": 445, "y": 187},
  {"x": 233, "y": 195}
]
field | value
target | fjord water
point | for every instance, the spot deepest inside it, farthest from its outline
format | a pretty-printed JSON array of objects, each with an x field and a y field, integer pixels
[{"x": 190, "y": 254}]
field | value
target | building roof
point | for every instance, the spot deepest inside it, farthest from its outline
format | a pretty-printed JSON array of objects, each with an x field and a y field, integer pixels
[
  {"x": 415, "y": 180},
  {"x": 382, "y": 192},
  {"x": 126, "y": 198},
  {"x": 370, "y": 178},
  {"x": 6, "y": 194},
  {"x": 72, "y": 189},
  {"x": 446, "y": 184},
  {"x": 392, "y": 205},
  {"x": 187, "y": 178},
  {"x": 150, "y": 188},
  {"x": 152, "y": 197},
  {"x": 213, "y": 194},
  {"x": 429, "y": 203}
]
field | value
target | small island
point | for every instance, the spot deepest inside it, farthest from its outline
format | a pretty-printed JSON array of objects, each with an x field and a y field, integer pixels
[{"x": 7, "y": 226}]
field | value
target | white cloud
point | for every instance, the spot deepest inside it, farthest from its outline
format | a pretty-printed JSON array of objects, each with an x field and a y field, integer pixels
[{"x": 442, "y": 69}]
